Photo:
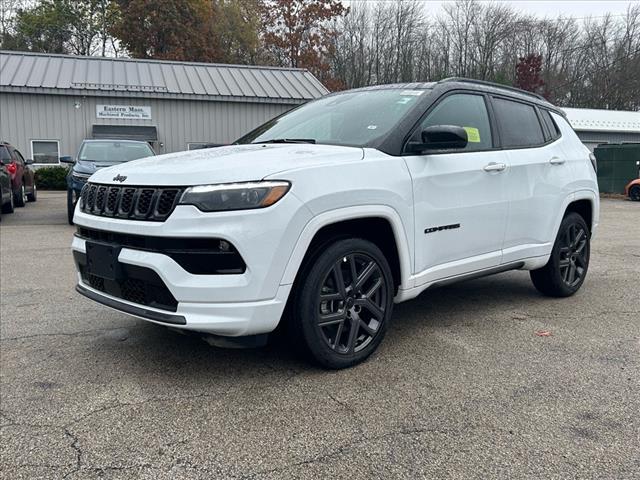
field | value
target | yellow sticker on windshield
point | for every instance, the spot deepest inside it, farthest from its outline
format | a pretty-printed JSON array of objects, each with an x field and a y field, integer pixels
[{"x": 473, "y": 134}]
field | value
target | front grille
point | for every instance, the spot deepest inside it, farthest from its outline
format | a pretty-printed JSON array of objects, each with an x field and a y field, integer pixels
[
  {"x": 136, "y": 203},
  {"x": 199, "y": 256},
  {"x": 137, "y": 285}
]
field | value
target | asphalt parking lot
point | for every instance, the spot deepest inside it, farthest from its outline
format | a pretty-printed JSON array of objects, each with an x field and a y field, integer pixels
[{"x": 462, "y": 386}]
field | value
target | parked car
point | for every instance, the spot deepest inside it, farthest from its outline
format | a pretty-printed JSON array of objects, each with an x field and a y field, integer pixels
[
  {"x": 339, "y": 209},
  {"x": 632, "y": 190},
  {"x": 94, "y": 155},
  {"x": 6, "y": 194},
  {"x": 22, "y": 176}
]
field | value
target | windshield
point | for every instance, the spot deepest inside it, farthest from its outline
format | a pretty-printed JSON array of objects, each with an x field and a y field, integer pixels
[
  {"x": 113, "y": 151},
  {"x": 350, "y": 118}
]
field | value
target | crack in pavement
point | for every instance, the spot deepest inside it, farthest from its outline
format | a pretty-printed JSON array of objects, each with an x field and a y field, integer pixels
[
  {"x": 60, "y": 334},
  {"x": 342, "y": 449}
]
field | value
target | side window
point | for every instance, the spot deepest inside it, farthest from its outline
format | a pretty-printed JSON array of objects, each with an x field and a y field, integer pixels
[
  {"x": 19, "y": 156},
  {"x": 518, "y": 122},
  {"x": 467, "y": 111},
  {"x": 15, "y": 156},
  {"x": 4, "y": 154},
  {"x": 552, "y": 128}
]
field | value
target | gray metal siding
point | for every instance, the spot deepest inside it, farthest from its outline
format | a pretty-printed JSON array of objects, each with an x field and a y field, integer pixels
[
  {"x": 593, "y": 139},
  {"x": 26, "y": 117}
]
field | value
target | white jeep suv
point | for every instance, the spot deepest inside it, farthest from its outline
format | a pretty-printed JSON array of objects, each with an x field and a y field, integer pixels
[{"x": 324, "y": 217}]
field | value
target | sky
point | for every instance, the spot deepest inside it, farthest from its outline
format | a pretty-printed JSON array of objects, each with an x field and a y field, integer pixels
[{"x": 555, "y": 8}]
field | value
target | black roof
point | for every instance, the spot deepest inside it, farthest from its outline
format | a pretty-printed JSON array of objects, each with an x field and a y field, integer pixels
[{"x": 469, "y": 84}]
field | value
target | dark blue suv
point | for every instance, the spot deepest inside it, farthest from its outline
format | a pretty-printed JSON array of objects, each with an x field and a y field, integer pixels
[{"x": 94, "y": 155}]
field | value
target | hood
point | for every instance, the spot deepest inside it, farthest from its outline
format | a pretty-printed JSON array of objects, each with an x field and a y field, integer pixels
[
  {"x": 235, "y": 163},
  {"x": 83, "y": 166}
]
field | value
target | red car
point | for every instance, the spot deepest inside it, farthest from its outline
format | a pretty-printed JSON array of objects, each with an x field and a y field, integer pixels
[{"x": 23, "y": 185}]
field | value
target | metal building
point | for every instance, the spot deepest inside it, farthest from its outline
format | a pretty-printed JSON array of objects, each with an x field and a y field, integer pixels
[
  {"x": 50, "y": 103},
  {"x": 595, "y": 127}
]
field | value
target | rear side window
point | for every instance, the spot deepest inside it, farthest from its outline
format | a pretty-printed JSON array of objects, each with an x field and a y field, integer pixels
[
  {"x": 518, "y": 122},
  {"x": 467, "y": 111},
  {"x": 4, "y": 154},
  {"x": 551, "y": 127}
]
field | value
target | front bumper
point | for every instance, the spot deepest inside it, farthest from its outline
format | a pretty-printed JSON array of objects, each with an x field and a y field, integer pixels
[{"x": 249, "y": 303}]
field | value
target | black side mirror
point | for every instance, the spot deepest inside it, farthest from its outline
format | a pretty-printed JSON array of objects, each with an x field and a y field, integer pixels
[
  {"x": 441, "y": 137},
  {"x": 29, "y": 161},
  {"x": 66, "y": 159}
]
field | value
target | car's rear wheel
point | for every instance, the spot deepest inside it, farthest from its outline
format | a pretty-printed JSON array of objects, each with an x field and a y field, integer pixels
[
  {"x": 9, "y": 206},
  {"x": 634, "y": 193},
  {"x": 342, "y": 304},
  {"x": 71, "y": 205},
  {"x": 20, "y": 196},
  {"x": 33, "y": 196},
  {"x": 567, "y": 267}
]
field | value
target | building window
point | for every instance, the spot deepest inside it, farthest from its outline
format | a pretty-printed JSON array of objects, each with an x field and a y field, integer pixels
[
  {"x": 45, "y": 151},
  {"x": 196, "y": 145}
]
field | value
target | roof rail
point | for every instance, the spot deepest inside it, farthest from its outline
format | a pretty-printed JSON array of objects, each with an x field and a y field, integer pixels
[{"x": 493, "y": 84}]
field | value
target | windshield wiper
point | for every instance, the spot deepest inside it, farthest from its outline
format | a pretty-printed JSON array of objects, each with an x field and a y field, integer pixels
[{"x": 289, "y": 140}]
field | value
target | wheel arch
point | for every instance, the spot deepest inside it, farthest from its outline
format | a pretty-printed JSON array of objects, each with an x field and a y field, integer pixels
[
  {"x": 379, "y": 224},
  {"x": 585, "y": 204}
]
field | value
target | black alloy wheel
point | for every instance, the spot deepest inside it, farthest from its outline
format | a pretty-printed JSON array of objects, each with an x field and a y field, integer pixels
[
  {"x": 567, "y": 267},
  {"x": 634, "y": 193},
  {"x": 573, "y": 263},
  {"x": 342, "y": 303},
  {"x": 351, "y": 303}
]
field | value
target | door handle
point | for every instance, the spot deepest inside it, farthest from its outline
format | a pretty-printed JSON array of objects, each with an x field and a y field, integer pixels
[
  {"x": 556, "y": 161},
  {"x": 495, "y": 167}
]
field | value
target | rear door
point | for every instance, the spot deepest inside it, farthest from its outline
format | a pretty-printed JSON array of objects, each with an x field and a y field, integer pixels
[
  {"x": 460, "y": 196},
  {"x": 538, "y": 177},
  {"x": 28, "y": 174},
  {"x": 5, "y": 179}
]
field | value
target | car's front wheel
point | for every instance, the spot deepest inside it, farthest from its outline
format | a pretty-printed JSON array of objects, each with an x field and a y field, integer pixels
[
  {"x": 33, "y": 196},
  {"x": 343, "y": 303},
  {"x": 567, "y": 267},
  {"x": 71, "y": 205},
  {"x": 634, "y": 193}
]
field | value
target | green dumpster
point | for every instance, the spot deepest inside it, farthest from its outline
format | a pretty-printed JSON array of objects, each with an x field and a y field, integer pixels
[{"x": 617, "y": 165}]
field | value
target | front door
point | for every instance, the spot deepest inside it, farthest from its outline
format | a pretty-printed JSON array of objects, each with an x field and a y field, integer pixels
[{"x": 460, "y": 196}]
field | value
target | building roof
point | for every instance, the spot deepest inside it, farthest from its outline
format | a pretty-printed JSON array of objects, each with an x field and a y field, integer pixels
[
  {"x": 100, "y": 76},
  {"x": 590, "y": 120}
]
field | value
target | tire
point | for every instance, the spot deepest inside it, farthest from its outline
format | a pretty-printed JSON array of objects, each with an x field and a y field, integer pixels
[
  {"x": 33, "y": 196},
  {"x": 20, "y": 197},
  {"x": 356, "y": 316},
  {"x": 71, "y": 206},
  {"x": 9, "y": 207},
  {"x": 634, "y": 193},
  {"x": 567, "y": 267}
]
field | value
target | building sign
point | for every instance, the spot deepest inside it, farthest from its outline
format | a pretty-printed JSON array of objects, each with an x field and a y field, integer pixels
[{"x": 125, "y": 112}]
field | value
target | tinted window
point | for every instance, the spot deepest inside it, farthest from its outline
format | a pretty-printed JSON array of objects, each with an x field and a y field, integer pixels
[
  {"x": 4, "y": 154},
  {"x": 113, "y": 151},
  {"x": 466, "y": 111},
  {"x": 519, "y": 125},
  {"x": 19, "y": 156},
  {"x": 551, "y": 126}
]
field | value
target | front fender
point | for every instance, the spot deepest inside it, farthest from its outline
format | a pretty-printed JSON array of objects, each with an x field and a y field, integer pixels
[{"x": 350, "y": 213}]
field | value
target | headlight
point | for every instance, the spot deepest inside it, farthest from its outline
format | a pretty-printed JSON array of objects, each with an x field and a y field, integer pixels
[
  {"x": 234, "y": 196},
  {"x": 80, "y": 177}
]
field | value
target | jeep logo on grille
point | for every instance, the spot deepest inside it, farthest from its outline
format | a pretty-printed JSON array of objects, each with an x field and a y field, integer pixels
[{"x": 119, "y": 178}]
